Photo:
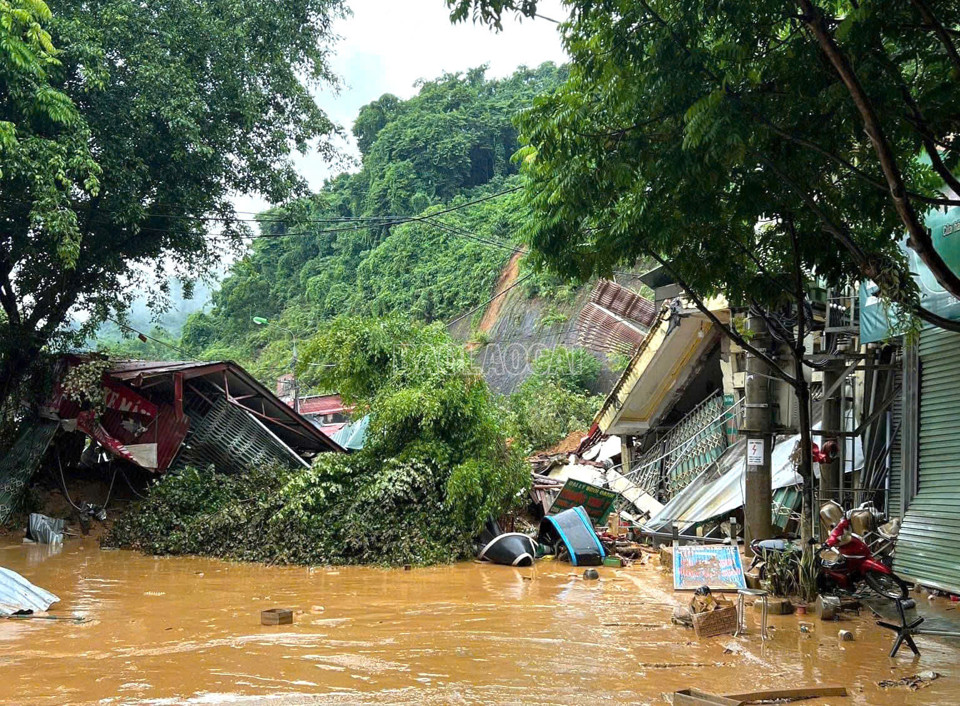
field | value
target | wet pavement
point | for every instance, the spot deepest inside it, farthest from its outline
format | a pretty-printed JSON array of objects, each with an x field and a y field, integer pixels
[{"x": 174, "y": 630}]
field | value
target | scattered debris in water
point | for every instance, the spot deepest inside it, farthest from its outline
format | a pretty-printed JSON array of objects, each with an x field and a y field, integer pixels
[{"x": 914, "y": 682}]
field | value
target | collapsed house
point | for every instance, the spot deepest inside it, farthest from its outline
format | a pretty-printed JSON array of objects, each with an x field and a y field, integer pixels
[
  {"x": 678, "y": 412},
  {"x": 164, "y": 416},
  {"x": 677, "y": 415}
]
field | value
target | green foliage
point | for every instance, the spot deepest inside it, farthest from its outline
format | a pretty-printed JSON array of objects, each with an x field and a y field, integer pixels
[
  {"x": 118, "y": 148},
  {"x": 617, "y": 362},
  {"x": 480, "y": 338},
  {"x": 83, "y": 384},
  {"x": 551, "y": 317},
  {"x": 541, "y": 413},
  {"x": 572, "y": 368},
  {"x": 739, "y": 324},
  {"x": 434, "y": 467},
  {"x": 160, "y": 345},
  {"x": 683, "y": 125},
  {"x": 44, "y": 157},
  {"x": 555, "y": 400},
  {"x": 449, "y": 144},
  {"x": 780, "y": 573},
  {"x": 807, "y": 575}
]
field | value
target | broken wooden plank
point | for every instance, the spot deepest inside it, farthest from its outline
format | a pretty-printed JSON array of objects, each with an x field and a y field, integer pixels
[
  {"x": 695, "y": 697},
  {"x": 795, "y": 694}
]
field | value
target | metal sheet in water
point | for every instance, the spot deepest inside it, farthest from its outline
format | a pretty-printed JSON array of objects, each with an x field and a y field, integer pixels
[{"x": 18, "y": 594}]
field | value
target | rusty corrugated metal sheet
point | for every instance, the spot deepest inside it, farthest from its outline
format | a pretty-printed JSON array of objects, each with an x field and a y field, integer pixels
[
  {"x": 624, "y": 302},
  {"x": 320, "y": 404},
  {"x": 601, "y": 332},
  {"x": 615, "y": 320}
]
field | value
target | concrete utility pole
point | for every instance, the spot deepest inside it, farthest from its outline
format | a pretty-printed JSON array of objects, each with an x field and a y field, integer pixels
[
  {"x": 758, "y": 423},
  {"x": 830, "y": 472},
  {"x": 626, "y": 453}
]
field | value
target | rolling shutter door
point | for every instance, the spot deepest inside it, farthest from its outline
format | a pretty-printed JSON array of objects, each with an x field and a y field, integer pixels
[
  {"x": 928, "y": 549},
  {"x": 896, "y": 461}
]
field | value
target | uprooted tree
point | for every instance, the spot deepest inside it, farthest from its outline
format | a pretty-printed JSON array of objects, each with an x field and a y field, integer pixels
[
  {"x": 434, "y": 467},
  {"x": 124, "y": 129}
]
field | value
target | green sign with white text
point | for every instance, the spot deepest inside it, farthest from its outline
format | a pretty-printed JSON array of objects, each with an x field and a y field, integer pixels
[{"x": 596, "y": 501}]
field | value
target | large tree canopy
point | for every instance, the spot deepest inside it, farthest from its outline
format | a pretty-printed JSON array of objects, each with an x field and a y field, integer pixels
[
  {"x": 120, "y": 149},
  {"x": 709, "y": 132}
]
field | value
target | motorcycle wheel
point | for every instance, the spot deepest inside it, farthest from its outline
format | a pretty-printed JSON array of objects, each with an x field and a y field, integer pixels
[{"x": 887, "y": 585}]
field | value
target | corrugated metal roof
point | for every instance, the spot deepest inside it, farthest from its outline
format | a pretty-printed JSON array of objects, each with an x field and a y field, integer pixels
[
  {"x": 294, "y": 429},
  {"x": 712, "y": 495},
  {"x": 720, "y": 489},
  {"x": 354, "y": 435},
  {"x": 600, "y": 331},
  {"x": 320, "y": 404},
  {"x": 16, "y": 594},
  {"x": 624, "y": 302},
  {"x": 615, "y": 319}
]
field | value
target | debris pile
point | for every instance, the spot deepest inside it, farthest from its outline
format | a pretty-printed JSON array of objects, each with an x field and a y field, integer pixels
[{"x": 913, "y": 682}]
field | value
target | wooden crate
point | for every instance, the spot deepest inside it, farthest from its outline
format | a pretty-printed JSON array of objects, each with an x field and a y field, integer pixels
[
  {"x": 276, "y": 616},
  {"x": 666, "y": 558},
  {"x": 722, "y": 621}
]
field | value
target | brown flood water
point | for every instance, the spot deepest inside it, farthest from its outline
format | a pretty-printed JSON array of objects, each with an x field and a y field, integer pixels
[{"x": 175, "y": 630}]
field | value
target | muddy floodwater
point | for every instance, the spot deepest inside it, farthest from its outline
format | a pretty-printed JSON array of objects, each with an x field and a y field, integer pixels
[{"x": 175, "y": 630}]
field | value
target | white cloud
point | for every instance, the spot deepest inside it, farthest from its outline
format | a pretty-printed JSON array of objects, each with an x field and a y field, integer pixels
[{"x": 387, "y": 45}]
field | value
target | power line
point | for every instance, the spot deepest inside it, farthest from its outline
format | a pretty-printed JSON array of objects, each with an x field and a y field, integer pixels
[
  {"x": 374, "y": 220},
  {"x": 495, "y": 296},
  {"x": 399, "y": 220},
  {"x": 143, "y": 335},
  {"x": 473, "y": 236}
]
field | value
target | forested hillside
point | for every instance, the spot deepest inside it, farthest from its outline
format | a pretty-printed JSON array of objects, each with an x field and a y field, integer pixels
[
  {"x": 337, "y": 251},
  {"x": 429, "y": 229}
]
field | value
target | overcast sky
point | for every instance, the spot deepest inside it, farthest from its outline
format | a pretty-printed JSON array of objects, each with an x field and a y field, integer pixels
[{"x": 385, "y": 47}]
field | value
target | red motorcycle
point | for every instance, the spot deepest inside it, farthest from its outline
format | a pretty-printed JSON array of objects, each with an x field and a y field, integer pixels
[{"x": 856, "y": 563}]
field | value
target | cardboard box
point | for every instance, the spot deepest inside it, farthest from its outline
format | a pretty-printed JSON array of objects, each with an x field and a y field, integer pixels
[
  {"x": 666, "y": 558},
  {"x": 722, "y": 621}
]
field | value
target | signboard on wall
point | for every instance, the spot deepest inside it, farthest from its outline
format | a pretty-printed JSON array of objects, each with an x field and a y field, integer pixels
[
  {"x": 716, "y": 566},
  {"x": 596, "y": 501}
]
